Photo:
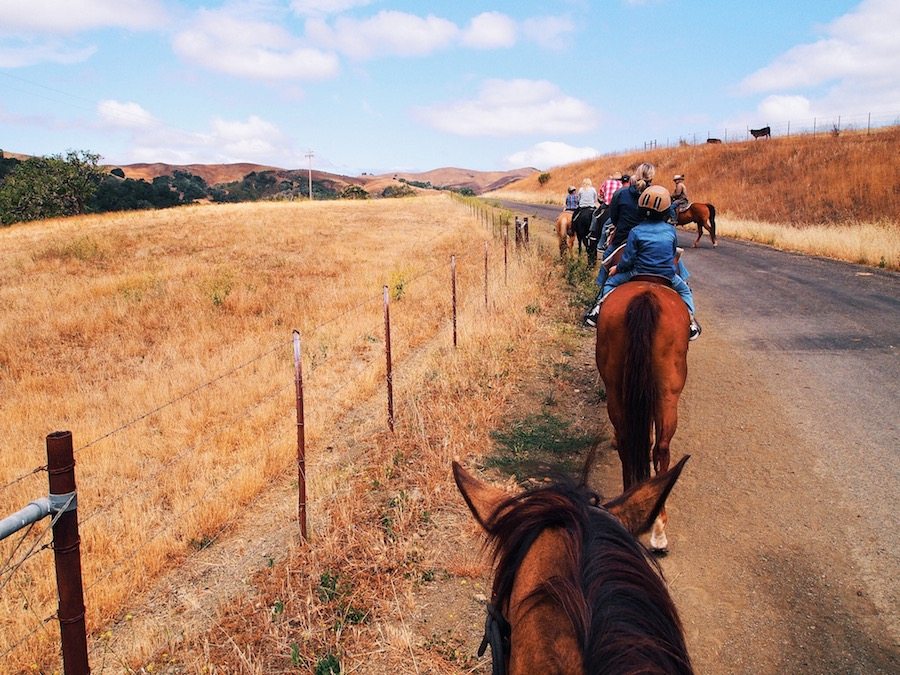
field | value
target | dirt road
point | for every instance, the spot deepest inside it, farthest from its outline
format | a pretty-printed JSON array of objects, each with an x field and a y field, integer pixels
[{"x": 782, "y": 558}]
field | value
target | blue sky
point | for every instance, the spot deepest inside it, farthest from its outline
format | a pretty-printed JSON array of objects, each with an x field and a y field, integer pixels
[{"x": 385, "y": 85}]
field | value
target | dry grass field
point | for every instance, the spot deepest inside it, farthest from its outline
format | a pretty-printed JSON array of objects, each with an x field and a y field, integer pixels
[
  {"x": 162, "y": 340},
  {"x": 835, "y": 196}
]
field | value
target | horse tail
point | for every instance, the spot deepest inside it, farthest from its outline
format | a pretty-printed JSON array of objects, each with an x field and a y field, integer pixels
[
  {"x": 639, "y": 390},
  {"x": 712, "y": 220}
]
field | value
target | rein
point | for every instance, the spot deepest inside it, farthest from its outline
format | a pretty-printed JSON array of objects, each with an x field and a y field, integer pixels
[{"x": 497, "y": 632}]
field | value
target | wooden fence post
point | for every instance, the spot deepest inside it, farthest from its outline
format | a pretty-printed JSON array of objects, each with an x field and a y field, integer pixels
[{"x": 67, "y": 552}]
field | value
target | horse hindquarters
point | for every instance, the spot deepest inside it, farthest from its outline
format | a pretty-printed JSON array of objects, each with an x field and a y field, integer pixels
[
  {"x": 640, "y": 390},
  {"x": 642, "y": 341}
]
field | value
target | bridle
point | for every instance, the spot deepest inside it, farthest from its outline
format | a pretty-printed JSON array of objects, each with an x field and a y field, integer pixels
[{"x": 497, "y": 633}]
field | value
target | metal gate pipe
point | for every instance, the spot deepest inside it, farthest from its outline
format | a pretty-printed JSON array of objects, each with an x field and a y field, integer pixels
[{"x": 35, "y": 511}]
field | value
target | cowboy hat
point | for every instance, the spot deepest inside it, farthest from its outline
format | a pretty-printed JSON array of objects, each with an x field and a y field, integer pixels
[
  {"x": 678, "y": 176},
  {"x": 616, "y": 175}
]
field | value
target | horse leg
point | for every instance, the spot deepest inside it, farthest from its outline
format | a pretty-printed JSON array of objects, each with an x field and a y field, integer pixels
[
  {"x": 699, "y": 222},
  {"x": 666, "y": 423}
]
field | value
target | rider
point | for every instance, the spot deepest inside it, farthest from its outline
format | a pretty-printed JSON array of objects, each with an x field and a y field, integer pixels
[
  {"x": 609, "y": 187},
  {"x": 679, "y": 198},
  {"x": 571, "y": 206},
  {"x": 607, "y": 190},
  {"x": 571, "y": 199},
  {"x": 651, "y": 249},
  {"x": 624, "y": 214},
  {"x": 587, "y": 199}
]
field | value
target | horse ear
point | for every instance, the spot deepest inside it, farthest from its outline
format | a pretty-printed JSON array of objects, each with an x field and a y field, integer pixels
[
  {"x": 483, "y": 499},
  {"x": 639, "y": 505}
]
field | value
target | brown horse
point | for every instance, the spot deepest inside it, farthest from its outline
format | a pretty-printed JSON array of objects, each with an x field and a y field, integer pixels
[
  {"x": 563, "y": 227},
  {"x": 574, "y": 591},
  {"x": 702, "y": 214},
  {"x": 642, "y": 344}
]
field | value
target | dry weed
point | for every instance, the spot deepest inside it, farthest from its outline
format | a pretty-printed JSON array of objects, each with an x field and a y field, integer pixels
[{"x": 108, "y": 321}]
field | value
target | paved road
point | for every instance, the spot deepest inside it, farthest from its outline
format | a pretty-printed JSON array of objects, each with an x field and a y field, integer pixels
[{"x": 784, "y": 527}]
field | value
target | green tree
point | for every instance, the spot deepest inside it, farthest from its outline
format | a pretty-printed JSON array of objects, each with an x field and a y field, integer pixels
[
  {"x": 45, "y": 187},
  {"x": 354, "y": 192}
]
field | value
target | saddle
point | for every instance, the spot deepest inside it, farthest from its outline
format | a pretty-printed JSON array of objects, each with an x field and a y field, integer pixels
[
  {"x": 652, "y": 278},
  {"x": 682, "y": 206}
]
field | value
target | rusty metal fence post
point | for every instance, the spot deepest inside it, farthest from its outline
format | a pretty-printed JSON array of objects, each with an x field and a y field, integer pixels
[
  {"x": 301, "y": 437},
  {"x": 389, "y": 376},
  {"x": 67, "y": 552},
  {"x": 453, "y": 292},
  {"x": 485, "y": 275}
]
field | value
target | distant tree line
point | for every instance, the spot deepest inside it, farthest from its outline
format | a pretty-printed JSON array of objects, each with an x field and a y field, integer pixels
[{"x": 74, "y": 184}]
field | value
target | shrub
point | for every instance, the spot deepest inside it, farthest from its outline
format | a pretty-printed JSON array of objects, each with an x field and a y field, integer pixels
[{"x": 543, "y": 178}]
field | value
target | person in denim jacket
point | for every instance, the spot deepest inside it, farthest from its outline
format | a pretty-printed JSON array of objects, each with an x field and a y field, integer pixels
[{"x": 651, "y": 248}]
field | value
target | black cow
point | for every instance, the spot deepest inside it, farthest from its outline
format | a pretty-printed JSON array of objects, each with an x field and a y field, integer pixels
[{"x": 765, "y": 132}]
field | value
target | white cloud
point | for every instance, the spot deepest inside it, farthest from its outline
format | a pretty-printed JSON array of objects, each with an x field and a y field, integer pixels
[
  {"x": 253, "y": 49},
  {"x": 386, "y": 33},
  {"x": 857, "y": 49},
  {"x": 71, "y": 16},
  {"x": 512, "y": 107},
  {"x": 322, "y": 7},
  {"x": 780, "y": 108},
  {"x": 226, "y": 141},
  {"x": 548, "y": 154},
  {"x": 490, "y": 30},
  {"x": 128, "y": 115},
  {"x": 549, "y": 32},
  {"x": 30, "y": 53}
]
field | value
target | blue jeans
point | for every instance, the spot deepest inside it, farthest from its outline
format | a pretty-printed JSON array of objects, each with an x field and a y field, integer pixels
[{"x": 678, "y": 284}]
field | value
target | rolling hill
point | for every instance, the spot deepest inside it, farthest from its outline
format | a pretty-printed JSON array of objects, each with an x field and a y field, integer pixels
[{"x": 476, "y": 181}]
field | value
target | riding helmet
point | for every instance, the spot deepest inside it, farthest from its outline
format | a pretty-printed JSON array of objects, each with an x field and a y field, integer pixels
[{"x": 656, "y": 198}]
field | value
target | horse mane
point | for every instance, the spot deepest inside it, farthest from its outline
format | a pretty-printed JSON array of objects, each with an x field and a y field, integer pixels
[{"x": 610, "y": 587}]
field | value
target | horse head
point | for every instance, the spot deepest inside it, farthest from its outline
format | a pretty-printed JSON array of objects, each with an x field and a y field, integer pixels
[{"x": 558, "y": 603}]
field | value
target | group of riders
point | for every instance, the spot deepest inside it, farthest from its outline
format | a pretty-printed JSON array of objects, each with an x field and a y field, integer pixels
[{"x": 634, "y": 222}]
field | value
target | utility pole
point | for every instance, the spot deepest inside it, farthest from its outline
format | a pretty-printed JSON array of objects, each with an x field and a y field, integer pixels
[{"x": 309, "y": 155}]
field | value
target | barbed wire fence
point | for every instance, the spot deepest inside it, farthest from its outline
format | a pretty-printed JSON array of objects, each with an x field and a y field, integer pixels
[
  {"x": 825, "y": 125},
  {"x": 35, "y": 540}
]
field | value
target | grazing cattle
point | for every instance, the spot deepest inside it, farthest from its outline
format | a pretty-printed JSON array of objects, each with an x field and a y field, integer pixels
[
  {"x": 765, "y": 132},
  {"x": 713, "y": 140}
]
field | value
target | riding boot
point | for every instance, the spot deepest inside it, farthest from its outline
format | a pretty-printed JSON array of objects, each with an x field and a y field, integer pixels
[
  {"x": 695, "y": 328},
  {"x": 591, "y": 318}
]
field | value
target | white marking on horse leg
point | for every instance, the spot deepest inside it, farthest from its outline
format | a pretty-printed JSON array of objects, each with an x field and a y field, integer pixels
[{"x": 658, "y": 540}]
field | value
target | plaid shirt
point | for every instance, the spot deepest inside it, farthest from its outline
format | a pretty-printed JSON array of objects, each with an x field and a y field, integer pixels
[{"x": 610, "y": 185}]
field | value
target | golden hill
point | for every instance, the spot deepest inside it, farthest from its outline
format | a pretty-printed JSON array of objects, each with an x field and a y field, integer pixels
[{"x": 797, "y": 180}]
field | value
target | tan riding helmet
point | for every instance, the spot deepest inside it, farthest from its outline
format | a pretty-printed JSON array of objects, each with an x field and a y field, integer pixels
[{"x": 656, "y": 198}]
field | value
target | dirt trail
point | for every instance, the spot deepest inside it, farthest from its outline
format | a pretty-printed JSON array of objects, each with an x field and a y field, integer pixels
[{"x": 759, "y": 564}]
